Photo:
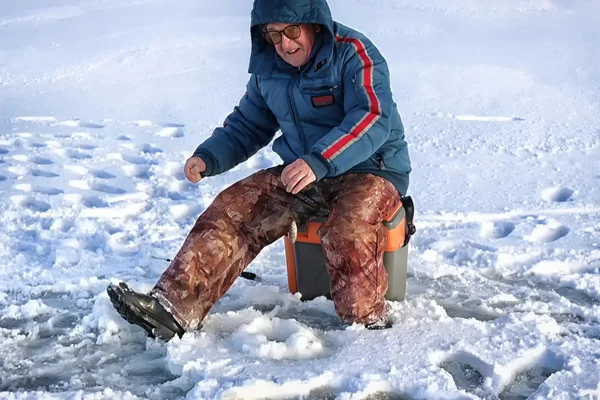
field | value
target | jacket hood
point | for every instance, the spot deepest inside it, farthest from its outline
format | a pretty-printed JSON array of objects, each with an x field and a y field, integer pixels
[{"x": 263, "y": 58}]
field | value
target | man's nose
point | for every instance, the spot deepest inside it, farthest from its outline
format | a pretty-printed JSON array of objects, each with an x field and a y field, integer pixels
[{"x": 286, "y": 41}]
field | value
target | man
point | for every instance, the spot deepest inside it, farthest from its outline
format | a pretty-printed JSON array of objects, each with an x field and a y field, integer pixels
[{"x": 327, "y": 88}]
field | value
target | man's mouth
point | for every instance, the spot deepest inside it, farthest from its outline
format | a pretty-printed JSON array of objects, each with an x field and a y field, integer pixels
[{"x": 293, "y": 51}]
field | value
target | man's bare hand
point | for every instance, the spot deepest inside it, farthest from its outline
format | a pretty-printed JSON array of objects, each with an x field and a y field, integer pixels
[
  {"x": 297, "y": 176},
  {"x": 194, "y": 166}
]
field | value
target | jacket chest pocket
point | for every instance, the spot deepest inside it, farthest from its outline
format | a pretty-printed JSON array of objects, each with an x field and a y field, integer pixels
[{"x": 322, "y": 96}]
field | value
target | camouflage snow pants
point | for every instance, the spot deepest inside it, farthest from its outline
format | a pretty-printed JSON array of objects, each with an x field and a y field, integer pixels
[{"x": 257, "y": 211}]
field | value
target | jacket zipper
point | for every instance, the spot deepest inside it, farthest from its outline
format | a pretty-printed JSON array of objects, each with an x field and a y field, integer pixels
[
  {"x": 320, "y": 89},
  {"x": 294, "y": 112},
  {"x": 381, "y": 162}
]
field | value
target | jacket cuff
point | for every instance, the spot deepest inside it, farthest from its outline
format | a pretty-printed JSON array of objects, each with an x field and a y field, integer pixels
[
  {"x": 319, "y": 166},
  {"x": 209, "y": 160}
]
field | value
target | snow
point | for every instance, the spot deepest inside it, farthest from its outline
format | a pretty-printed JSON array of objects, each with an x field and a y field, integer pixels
[{"x": 102, "y": 101}]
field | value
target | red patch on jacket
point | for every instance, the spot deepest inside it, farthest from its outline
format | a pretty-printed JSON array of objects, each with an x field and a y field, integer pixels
[{"x": 323, "y": 101}]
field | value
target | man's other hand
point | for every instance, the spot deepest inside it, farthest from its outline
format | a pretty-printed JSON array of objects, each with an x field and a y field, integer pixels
[
  {"x": 297, "y": 176},
  {"x": 194, "y": 166}
]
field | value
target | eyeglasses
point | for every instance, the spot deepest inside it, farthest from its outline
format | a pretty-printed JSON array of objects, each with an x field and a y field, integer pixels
[{"x": 275, "y": 37}]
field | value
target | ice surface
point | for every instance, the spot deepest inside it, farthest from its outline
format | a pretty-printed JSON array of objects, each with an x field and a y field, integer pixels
[{"x": 101, "y": 102}]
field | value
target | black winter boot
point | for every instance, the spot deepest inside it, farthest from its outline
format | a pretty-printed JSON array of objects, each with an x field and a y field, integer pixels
[{"x": 145, "y": 311}]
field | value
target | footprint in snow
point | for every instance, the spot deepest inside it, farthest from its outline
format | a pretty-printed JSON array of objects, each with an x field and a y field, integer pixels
[
  {"x": 81, "y": 124},
  {"x": 96, "y": 173},
  {"x": 91, "y": 125},
  {"x": 93, "y": 202},
  {"x": 73, "y": 154},
  {"x": 145, "y": 122},
  {"x": 96, "y": 186},
  {"x": 62, "y": 224},
  {"x": 34, "y": 160},
  {"x": 169, "y": 129},
  {"x": 557, "y": 194},
  {"x": 547, "y": 233},
  {"x": 170, "y": 125},
  {"x": 137, "y": 160},
  {"x": 173, "y": 132},
  {"x": 137, "y": 171},
  {"x": 149, "y": 149},
  {"x": 102, "y": 174},
  {"x": 497, "y": 229},
  {"x": 41, "y": 160},
  {"x": 50, "y": 191},
  {"x": 83, "y": 171},
  {"x": 44, "y": 174},
  {"x": 30, "y": 203},
  {"x": 101, "y": 187},
  {"x": 87, "y": 201},
  {"x": 175, "y": 169},
  {"x": 3, "y": 150}
]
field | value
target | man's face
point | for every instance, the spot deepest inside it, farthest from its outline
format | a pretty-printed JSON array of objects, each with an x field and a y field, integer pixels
[{"x": 295, "y": 51}]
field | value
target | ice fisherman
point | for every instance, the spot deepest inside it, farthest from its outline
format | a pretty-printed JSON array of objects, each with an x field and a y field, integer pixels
[{"x": 326, "y": 87}]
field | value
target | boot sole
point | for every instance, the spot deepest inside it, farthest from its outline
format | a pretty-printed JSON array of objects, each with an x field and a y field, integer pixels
[{"x": 126, "y": 305}]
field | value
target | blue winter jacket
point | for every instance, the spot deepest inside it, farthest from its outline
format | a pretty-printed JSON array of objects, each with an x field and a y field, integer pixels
[{"x": 336, "y": 112}]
